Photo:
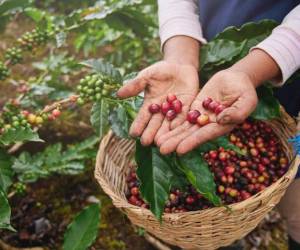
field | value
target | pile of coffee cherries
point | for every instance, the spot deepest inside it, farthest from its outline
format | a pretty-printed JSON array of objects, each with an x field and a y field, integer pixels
[
  {"x": 237, "y": 176},
  {"x": 172, "y": 106}
]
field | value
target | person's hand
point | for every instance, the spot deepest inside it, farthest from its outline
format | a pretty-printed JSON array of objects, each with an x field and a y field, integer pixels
[
  {"x": 157, "y": 81},
  {"x": 235, "y": 90}
]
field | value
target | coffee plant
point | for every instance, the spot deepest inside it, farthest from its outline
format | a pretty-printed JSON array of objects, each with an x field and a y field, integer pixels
[{"x": 67, "y": 79}]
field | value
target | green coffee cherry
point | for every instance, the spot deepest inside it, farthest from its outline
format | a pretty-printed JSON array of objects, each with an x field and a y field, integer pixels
[
  {"x": 4, "y": 71},
  {"x": 14, "y": 55}
]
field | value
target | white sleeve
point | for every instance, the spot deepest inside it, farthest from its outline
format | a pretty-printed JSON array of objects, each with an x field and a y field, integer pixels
[
  {"x": 283, "y": 45},
  {"x": 179, "y": 17}
]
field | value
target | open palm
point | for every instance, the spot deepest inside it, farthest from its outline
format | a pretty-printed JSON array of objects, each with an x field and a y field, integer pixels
[
  {"x": 233, "y": 89},
  {"x": 157, "y": 81}
]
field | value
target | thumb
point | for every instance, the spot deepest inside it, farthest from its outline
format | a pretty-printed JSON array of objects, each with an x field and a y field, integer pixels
[
  {"x": 132, "y": 88},
  {"x": 239, "y": 110}
]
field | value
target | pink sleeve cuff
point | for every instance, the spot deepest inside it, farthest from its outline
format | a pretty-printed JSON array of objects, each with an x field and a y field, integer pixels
[
  {"x": 283, "y": 45},
  {"x": 180, "y": 26}
]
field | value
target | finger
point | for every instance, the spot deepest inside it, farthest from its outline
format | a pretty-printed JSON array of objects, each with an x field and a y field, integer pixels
[
  {"x": 151, "y": 129},
  {"x": 133, "y": 87},
  {"x": 165, "y": 136},
  {"x": 239, "y": 110},
  {"x": 140, "y": 122},
  {"x": 202, "y": 135},
  {"x": 164, "y": 129},
  {"x": 171, "y": 144}
]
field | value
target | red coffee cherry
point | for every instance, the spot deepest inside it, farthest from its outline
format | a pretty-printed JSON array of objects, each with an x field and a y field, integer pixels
[
  {"x": 170, "y": 115},
  {"x": 154, "y": 108},
  {"x": 192, "y": 116},
  {"x": 165, "y": 107},
  {"x": 56, "y": 112},
  {"x": 171, "y": 98},
  {"x": 219, "y": 109},
  {"x": 206, "y": 102},
  {"x": 177, "y": 106},
  {"x": 213, "y": 105}
]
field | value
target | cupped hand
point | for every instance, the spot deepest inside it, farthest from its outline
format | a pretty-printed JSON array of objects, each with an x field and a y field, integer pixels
[
  {"x": 157, "y": 81},
  {"x": 235, "y": 90}
]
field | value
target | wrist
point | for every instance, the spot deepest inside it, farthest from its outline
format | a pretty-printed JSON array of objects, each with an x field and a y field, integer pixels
[
  {"x": 258, "y": 66},
  {"x": 182, "y": 50}
]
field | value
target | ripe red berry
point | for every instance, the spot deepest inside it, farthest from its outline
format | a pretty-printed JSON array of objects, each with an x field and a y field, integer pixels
[
  {"x": 229, "y": 170},
  {"x": 56, "y": 112},
  {"x": 25, "y": 112},
  {"x": 206, "y": 102},
  {"x": 223, "y": 156},
  {"x": 177, "y": 106},
  {"x": 133, "y": 199},
  {"x": 203, "y": 120},
  {"x": 243, "y": 164},
  {"x": 134, "y": 191},
  {"x": 154, "y": 108},
  {"x": 219, "y": 109},
  {"x": 245, "y": 195},
  {"x": 192, "y": 116},
  {"x": 261, "y": 168},
  {"x": 165, "y": 107},
  {"x": 213, "y": 105},
  {"x": 254, "y": 152},
  {"x": 190, "y": 199},
  {"x": 213, "y": 154},
  {"x": 171, "y": 98},
  {"x": 170, "y": 115}
]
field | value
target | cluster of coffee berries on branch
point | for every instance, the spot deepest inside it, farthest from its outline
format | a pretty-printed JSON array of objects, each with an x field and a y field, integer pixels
[
  {"x": 170, "y": 108},
  {"x": 10, "y": 121},
  {"x": 94, "y": 87},
  {"x": 4, "y": 71},
  {"x": 237, "y": 176},
  {"x": 34, "y": 38},
  {"x": 14, "y": 55}
]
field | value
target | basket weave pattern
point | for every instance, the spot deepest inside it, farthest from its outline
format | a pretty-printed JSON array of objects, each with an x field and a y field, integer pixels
[{"x": 206, "y": 229}]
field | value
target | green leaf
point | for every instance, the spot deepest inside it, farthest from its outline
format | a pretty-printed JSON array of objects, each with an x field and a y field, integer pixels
[
  {"x": 155, "y": 174},
  {"x": 199, "y": 175},
  {"x": 53, "y": 160},
  {"x": 105, "y": 68},
  {"x": 6, "y": 172},
  {"x": 249, "y": 31},
  {"x": 99, "y": 117},
  {"x": 119, "y": 122},
  {"x": 83, "y": 230},
  {"x": 5, "y": 212},
  {"x": 19, "y": 135},
  {"x": 220, "y": 51},
  {"x": 35, "y": 14},
  {"x": 11, "y": 5},
  {"x": 268, "y": 106}
]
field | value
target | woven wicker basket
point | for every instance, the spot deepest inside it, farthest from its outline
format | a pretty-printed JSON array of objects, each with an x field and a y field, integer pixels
[{"x": 206, "y": 229}]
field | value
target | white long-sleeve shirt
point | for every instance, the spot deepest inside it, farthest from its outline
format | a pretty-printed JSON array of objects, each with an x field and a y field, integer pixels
[{"x": 180, "y": 17}]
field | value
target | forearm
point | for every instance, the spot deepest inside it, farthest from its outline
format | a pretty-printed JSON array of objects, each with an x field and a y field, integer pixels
[
  {"x": 183, "y": 50},
  {"x": 259, "y": 66}
]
